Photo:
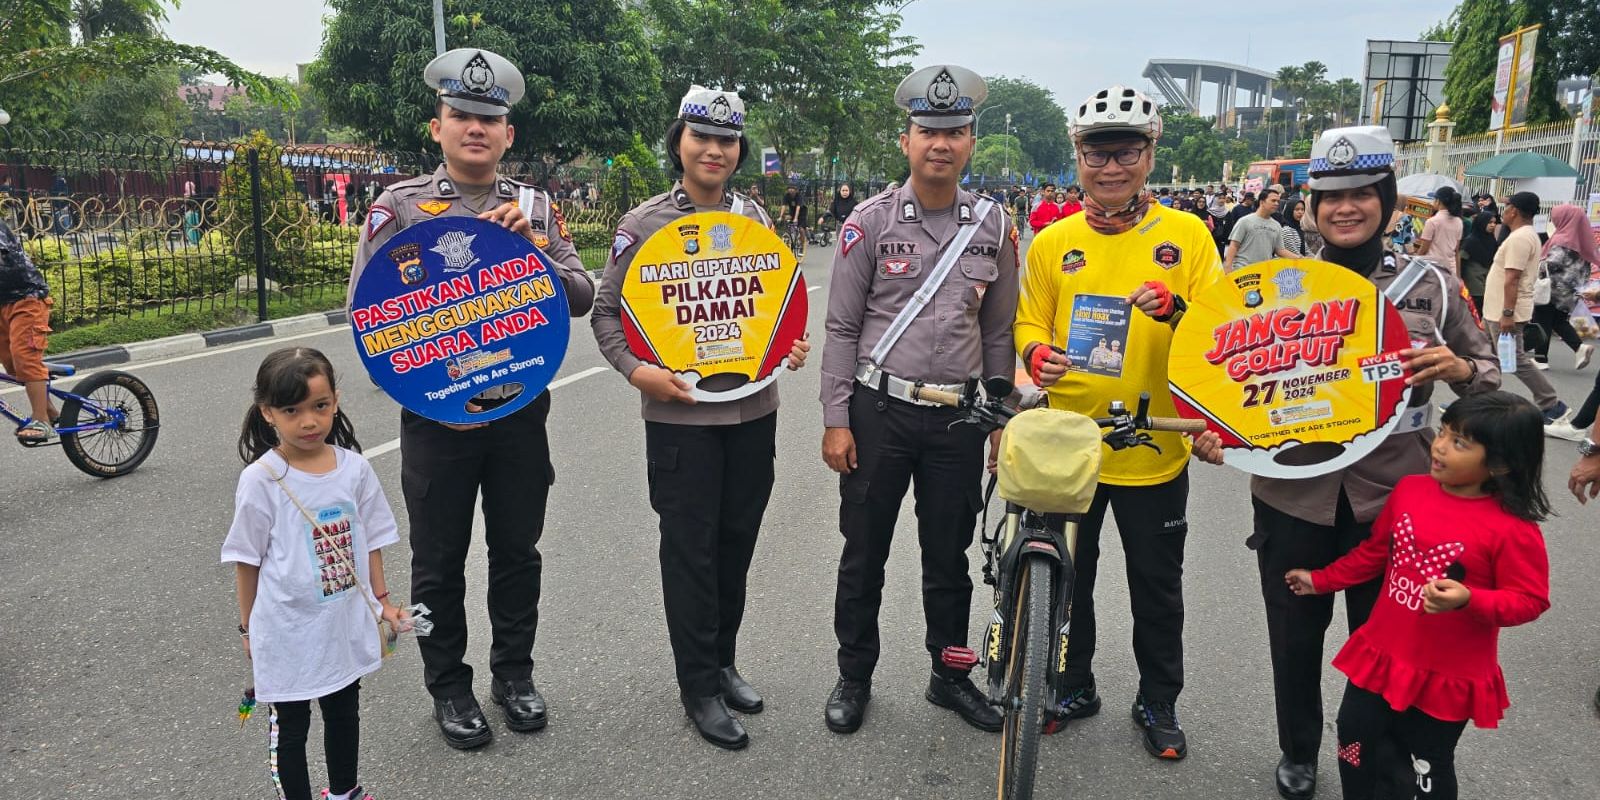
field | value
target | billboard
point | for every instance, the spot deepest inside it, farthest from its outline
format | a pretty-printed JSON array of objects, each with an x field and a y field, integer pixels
[
  {"x": 1404, "y": 83},
  {"x": 1513, "y": 78}
]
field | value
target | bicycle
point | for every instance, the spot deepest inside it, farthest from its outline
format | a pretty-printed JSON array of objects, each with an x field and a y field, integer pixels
[
  {"x": 107, "y": 428},
  {"x": 1031, "y": 569},
  {"x": 794, "y": 238}
]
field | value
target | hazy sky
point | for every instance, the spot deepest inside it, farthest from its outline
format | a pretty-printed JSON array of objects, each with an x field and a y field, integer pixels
[{"x": 1059, "y": 44}]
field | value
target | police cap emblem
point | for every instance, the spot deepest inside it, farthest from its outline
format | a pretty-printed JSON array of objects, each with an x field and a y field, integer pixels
[
  {"x": 719, "y": 111},
  {"x": 943, "y": 92},
  {"x": 1342, "y": 153},
  {"x": 477, "y": 75}
]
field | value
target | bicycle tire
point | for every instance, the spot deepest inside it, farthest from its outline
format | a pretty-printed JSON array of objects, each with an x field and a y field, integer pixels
[
  {"x": 1026, "y": 664},
  {"x": 799, "y": 248},
  {"x": 130, "y": 444}
]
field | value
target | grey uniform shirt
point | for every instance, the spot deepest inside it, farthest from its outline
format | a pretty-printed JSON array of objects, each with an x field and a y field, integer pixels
[
  {"x": 438, "y": 195},
  {"x": 887, "y": 249},
  {"x": 1367, "y": 483},
  {"x": 633, "y": 230}
]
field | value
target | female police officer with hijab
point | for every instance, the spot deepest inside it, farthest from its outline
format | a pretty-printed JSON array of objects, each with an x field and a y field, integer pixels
[
  {"x": 1307, "y": 523},
  {"x": 710, "y": 464}
]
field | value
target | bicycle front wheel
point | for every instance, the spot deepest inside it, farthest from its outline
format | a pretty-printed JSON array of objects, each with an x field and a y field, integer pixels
[
  {"x": 115, "y": 449},
  {"x": 1025, "y": 673}
]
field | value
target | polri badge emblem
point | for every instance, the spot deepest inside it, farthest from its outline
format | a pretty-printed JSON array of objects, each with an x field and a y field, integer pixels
[
  {"x": 408, "y": 259},
  {"x": 456, "y": 247}
]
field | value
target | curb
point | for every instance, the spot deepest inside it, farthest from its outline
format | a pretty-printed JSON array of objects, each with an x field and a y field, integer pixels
[{"x": 186, "y": 343}]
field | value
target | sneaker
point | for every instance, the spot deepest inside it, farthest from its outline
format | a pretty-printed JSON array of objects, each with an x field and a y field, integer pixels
[
  {"x": 1585, "y": 352},
  {"x": 1078, "y": 704},
  {"x": 1163, "y": 737},
  {"x": 1557, "y": 413},
  {"x": 1541, "y": 365},
  {"x": 1564, "y": 429},
  {"x": 354, "y": 794}
]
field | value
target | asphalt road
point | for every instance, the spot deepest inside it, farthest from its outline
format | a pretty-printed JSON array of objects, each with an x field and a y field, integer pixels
[{"x": 120, "y": 669}]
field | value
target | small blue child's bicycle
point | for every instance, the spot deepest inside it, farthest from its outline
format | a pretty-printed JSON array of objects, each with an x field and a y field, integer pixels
[{"x": 107, "y": 428}]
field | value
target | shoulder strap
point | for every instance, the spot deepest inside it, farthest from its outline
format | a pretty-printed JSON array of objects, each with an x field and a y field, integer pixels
[
  {"x": 738, "y": 205},
  {"x": 941, "y": 271}
]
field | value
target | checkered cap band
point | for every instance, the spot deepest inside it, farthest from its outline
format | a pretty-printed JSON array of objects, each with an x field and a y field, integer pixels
[
  {"x": 1362, "y": 163},
  {"x": 920, "y": 105},
  {"x": 703, "y": 114},
  {"x": 458, "y": 89}
]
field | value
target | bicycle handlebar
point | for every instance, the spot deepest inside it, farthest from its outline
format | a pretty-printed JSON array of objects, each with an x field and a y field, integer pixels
[
  {"x": 1177, "y": 424},
  {"x": 993, "y": 413}
]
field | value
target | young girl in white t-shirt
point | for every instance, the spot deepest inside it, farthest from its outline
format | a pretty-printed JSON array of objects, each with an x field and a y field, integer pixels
[{"x": 309, "y": 519}]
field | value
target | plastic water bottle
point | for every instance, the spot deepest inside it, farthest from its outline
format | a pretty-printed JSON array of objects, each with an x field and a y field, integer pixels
[{"x": 1508, "y": 353}]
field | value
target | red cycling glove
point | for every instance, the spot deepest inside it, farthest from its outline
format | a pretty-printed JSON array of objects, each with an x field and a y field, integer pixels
[
  {"x": 1036, "y": 360},
  {"x": 1171, "y": 304}
]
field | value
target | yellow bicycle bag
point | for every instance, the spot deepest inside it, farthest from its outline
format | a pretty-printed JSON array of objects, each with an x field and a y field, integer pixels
[{"x": 1050, "y": 461}]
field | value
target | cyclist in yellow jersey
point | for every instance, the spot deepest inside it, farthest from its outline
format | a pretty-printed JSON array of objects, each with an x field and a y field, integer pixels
[{"x": 1119, "y": 272}]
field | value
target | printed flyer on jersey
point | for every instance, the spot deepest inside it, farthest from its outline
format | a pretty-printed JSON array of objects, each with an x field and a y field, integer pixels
[
  {"x": 1295, "y": 364},
  {"x": 454, "y": 306},
  {"x": 718, "y": 299}
]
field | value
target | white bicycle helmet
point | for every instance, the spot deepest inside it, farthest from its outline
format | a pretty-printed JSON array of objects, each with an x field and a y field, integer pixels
[{"x": 1118, "y": 109}]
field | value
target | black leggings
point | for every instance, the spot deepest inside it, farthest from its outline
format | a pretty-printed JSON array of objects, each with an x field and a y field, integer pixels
[
  {"x": 1556, "y": 323},
  {"x": 1591, "y": 404},
  {"x": 1365, "y": 719},
  {"x": 341, "y": 741}
]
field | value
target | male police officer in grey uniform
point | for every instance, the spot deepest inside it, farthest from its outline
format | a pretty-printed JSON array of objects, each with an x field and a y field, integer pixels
[
  {"x": 443, "y": 467},
  {"x": 928, "y": 232}
]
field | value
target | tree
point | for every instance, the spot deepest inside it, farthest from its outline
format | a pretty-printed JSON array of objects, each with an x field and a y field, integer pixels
[
  {"x": 592, "y": 80},
  {"x": 993, "y": 153},
  {"x": 811, "y": 74},
  {"x": 1478, "y": 25},
  {"x": 145, "y": 104},
  {"x": 55, "y": 49},
  {"x": 1036, "y": 119},
  {"x": 1177, "y": 127},
  {"x": 1575, "y": 37}
]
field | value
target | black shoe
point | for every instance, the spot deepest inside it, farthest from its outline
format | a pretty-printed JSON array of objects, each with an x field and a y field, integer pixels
[
  {"x": 1078, "y": 704},
  {"x": 1296, "y": 781},
  {"x": 716, "y": 725},
  {"x": 847, "y": 705},
  {"x": 462, "y": 722},
  {"x": 524, "y": 706},
  {"x": 1162, "y": 735},
  {"x": 960, "y": 696},
  {"x": 739, "y": 695}
]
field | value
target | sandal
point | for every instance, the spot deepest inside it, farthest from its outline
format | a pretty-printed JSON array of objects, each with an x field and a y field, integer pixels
[{"x": 34, "y": 432}]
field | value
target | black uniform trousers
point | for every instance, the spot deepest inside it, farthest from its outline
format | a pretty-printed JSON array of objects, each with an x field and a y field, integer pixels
[
  {"x": 898, "y": 442},
  {"x": 710, "y": 485},
  {"x": 1297, "y": 624},
  {"x": 441, "y": 473},
  {"x": 1153, "y": 525}
]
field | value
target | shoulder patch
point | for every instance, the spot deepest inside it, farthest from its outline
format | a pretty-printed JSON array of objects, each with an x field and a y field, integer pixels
[
  {"x": 561, "y": 222},
  {"x": 623, "y": 241},
  {"x": 434, "y": 207},
  {"x": 849, "y": 236},
  {"x": 377, "y": 218},
  {"x": 1167, "y": 255}
]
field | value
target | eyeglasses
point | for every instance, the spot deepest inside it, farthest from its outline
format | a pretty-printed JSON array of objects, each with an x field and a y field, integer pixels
[{"x": 1127, "y": 156}]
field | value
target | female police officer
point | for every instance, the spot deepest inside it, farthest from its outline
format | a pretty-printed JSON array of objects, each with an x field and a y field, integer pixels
[{"x": 710, "y": 464}]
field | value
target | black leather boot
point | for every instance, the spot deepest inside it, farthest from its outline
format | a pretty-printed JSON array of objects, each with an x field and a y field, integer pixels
[
  {"x": 715, "y": 723},
  {"x": 462, "y": 722},
  {"x": 847, "y": 705},
  {"x": 524, "y": 706},
  {"x": 738, "y": 694}
]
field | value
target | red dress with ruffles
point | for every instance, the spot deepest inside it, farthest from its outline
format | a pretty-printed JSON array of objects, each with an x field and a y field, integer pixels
[{"x": 1446, "y": 665}]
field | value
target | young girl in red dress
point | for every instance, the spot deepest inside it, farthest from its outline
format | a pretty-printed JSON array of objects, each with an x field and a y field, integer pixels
[{"x": 1463, "y": 557}]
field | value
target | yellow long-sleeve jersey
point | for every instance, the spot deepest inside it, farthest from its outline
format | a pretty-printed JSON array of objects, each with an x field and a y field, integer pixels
[{"x": 1074, "y": 273}]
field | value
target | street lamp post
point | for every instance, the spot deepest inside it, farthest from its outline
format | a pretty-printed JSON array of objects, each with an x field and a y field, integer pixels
[
  {"x": 1007, "y": 172},
  {"x": 979, "y": 120}
]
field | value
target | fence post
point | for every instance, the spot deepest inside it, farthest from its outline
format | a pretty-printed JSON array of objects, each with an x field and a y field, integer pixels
[
  {"x": 627, "y": 192},
  {"x": 258, "y": 234}
]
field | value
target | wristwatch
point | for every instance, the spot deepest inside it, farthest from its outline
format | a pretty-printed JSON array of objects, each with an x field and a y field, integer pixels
[
  {"x": 1587, "y": 448},
  {"x": 1508, "y": 312}
]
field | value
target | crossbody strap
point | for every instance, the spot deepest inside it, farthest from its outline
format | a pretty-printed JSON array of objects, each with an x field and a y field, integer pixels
[
  {"x": 930, "y": 287},
  {"x": 349, "y": 564}
]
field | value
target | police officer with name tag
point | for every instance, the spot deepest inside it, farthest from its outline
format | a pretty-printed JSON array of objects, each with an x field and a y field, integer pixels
[
  {"x": 444, "y": 467},
  {"x": 923, "y": 291},
  {"x": 1309, "y": 522},
  {"x": 710, "y": 465}
]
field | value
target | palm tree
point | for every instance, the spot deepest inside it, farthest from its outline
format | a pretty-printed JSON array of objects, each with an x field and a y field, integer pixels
[{"x": 1292, "y": 81}]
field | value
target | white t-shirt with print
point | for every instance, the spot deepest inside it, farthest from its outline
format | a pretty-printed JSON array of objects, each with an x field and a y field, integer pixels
[{"x": 311, "y": 632}]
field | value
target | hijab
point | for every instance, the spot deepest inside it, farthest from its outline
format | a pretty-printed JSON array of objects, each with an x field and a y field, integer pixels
[
  {"x": 1480, "y": 245},
  {"x": 1572, "y": 231}
]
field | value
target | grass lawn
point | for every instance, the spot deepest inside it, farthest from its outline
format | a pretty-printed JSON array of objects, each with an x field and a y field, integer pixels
[{"x": 125, "y": 330}]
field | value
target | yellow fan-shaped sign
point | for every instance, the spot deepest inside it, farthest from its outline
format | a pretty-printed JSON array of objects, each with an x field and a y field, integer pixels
[{"x": 718, "y": 299}]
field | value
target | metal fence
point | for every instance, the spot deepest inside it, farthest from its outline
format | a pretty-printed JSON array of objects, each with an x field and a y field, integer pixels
[
  {"x": 126, "y": 226},
  {"x": 1564, "y": 141}
]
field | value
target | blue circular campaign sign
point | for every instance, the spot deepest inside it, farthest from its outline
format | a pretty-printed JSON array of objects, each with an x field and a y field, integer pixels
[{"x": 451, "y": 307}]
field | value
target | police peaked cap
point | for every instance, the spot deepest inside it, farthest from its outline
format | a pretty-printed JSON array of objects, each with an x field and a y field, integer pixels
[
  {"x": 476, "y": 81},
  {"x": 941, "y": 96}
]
